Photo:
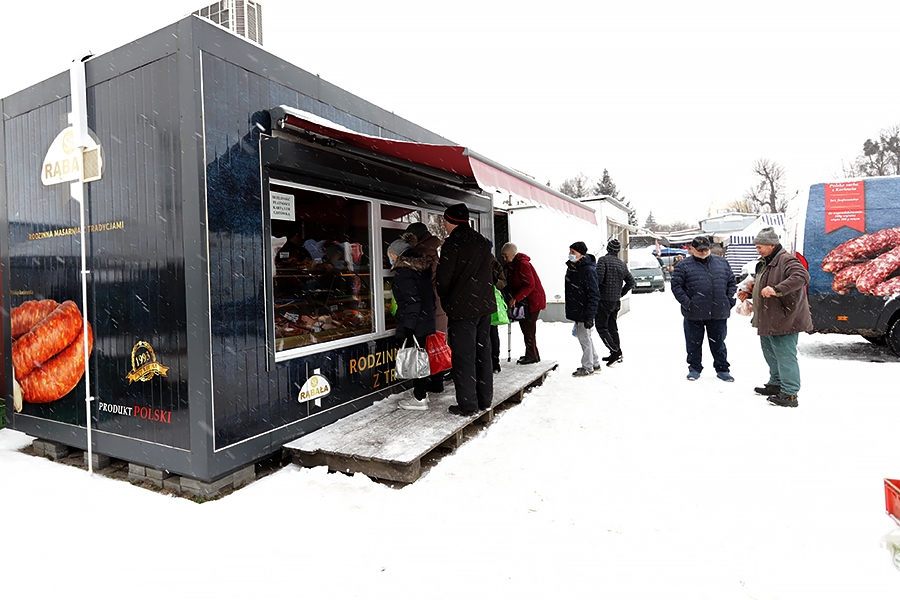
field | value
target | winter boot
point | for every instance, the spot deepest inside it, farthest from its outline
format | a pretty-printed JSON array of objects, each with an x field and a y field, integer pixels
[
  {"x": 767, "y": 390},
  {"x": 782, "y": 399},
  {"x": 615, "y": 357}
]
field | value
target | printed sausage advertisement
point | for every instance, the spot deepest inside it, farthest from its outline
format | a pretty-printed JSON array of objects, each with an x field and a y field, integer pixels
[
  {"x": 135, "y": 329},
  {"x": 852, "y": 239}
]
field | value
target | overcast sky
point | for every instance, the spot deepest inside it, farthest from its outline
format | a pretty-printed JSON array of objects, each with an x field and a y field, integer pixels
[{"x": 675, "y": 99}]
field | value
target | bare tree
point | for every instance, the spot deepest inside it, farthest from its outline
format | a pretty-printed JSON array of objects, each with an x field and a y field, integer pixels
[
  {"x": 576, "y": 187},
  {"x": 673, "y": 226},
  {"x": 743, "y": 205},
  {"x": 879, "y": 157},
  {"x": 768, "y": 195}
]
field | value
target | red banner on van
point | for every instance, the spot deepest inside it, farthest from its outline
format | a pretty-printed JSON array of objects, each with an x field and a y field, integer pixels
[{"x": 845, "y": 205}]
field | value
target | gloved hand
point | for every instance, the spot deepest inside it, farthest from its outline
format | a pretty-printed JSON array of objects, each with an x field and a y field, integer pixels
[
  {"x": 589, "y": 324},
  {"x": 400, "y": 333}
]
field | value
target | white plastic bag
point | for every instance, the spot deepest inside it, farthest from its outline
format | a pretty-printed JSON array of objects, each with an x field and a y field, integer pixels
[
  {"x": 745, "y": 308},
  {"x": 891, "y": 541}
]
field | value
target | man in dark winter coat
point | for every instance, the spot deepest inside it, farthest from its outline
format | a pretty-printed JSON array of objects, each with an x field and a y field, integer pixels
[
  {"x": 704, "y": 286},
  {"x": 415, "y": 304},
  {"x": 582, "y": 296},
  {"x": 464, "y": 284},
  {"x": 524, "y": 286},
  {"x": 615, "y": 280},
  {"x": 780, "y": 313}
]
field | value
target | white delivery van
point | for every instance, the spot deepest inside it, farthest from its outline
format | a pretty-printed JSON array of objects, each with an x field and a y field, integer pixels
[{"x": 847, "y": 233}]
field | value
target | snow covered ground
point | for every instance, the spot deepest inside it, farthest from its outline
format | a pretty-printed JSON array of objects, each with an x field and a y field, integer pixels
[{"x": 632, "y": 483}]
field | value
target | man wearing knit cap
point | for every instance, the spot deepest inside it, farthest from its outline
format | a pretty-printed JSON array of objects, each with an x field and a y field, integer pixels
[
  {"x": 465, "y": 285},
  {"x": 780, "y": 313},
  {"x": 615, "y": 280}
]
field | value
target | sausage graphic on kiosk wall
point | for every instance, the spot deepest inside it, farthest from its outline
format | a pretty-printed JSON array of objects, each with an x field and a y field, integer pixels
[
  {"x": 48, "y": 338},
  {"x": 48, "y": 358},
  {"x": 29, "y": 314},
  {"x": 866, "y": 263}
]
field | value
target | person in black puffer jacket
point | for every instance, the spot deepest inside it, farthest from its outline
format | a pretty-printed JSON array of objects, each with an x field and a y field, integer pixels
[
  {"x": 465, "y": 286},
  {"x": 582, "y": 296},
  {"x": 415, "y": 304},
  {"x": 705, "y": 287}
]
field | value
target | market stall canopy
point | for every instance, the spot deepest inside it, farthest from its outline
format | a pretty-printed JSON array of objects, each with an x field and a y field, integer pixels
[{"x": 456, "y": 160}]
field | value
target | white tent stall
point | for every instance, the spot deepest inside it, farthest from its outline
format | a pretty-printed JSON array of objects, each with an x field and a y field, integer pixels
[{"x": 740, "y": 249}]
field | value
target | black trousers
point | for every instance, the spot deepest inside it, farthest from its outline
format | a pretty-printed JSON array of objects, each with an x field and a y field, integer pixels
[
  {"x": 528, "y": 325},
  {"x": 495, "y": 346},
  {"x": 607, "y": 326},
  {"x": 473, "y": 374}
]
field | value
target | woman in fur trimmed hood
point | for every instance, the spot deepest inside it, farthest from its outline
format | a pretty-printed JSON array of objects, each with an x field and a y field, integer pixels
[{"x": 414, "y": 294}]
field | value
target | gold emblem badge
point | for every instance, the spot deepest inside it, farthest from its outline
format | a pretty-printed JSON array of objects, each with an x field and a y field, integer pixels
[{"x": 143, "y": 364}]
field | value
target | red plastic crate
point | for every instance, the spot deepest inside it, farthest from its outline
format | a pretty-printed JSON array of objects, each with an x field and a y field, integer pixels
[{"x": 892, "y": 498}]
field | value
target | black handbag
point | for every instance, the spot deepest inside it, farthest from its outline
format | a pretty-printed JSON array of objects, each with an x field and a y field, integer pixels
[{"x": 520, "y": 311}]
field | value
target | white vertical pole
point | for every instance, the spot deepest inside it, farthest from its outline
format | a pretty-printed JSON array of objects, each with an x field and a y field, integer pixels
[{"x": 78, "y": 119}]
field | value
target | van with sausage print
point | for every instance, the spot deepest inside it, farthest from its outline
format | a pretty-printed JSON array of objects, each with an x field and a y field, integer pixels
[{"x": 847, "y": 233}]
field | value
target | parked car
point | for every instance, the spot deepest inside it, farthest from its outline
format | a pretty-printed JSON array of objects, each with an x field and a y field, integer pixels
[{"x": 648, "y": 276}]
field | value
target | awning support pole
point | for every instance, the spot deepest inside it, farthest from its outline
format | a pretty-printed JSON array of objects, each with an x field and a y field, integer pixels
[{"x": 78, "y": 120}]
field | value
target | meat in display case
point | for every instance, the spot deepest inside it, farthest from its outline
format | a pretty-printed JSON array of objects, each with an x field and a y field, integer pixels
[{"x": 320, "y": 305}]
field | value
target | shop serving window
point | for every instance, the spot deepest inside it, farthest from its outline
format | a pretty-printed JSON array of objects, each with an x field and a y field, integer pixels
[{"x": 321, "y": 251}]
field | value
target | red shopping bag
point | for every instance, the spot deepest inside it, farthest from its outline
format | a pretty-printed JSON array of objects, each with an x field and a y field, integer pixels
[{"x": 438, "y": 352}]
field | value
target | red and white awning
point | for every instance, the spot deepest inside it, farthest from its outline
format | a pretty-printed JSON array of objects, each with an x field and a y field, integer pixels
[{"x": 457, "y": 160}]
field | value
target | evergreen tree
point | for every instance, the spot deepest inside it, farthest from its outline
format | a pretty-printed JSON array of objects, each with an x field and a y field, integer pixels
[
  {"x": 606, "y": 186},
  {"x": 650, "y": 223}
]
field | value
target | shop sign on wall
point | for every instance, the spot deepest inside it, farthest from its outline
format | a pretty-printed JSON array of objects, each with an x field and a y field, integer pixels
[{"x": 65, "y": 162}]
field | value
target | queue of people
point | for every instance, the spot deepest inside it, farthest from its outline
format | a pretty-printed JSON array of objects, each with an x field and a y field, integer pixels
[{"x": 453, "y": 291}]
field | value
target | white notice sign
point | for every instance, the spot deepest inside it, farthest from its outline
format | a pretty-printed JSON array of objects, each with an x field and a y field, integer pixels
[{"x": 281, "y": 206}]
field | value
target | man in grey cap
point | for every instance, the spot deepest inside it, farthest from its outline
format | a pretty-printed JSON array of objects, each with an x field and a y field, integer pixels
[
  {"x": 704, "y": 286},
  {"x": 780, "y": 313}
]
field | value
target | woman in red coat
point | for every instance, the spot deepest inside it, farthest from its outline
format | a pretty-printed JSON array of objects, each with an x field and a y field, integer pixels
[{"x": 524, "y": 285}]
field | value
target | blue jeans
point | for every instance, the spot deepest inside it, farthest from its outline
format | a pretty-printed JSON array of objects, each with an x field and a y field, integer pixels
[{"x": 716, "y": 330}]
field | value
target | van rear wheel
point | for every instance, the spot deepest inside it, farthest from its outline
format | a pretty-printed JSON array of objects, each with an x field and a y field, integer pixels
[
  {"x": 893, "y": 337},
  {"x": 878, "y": 340}
]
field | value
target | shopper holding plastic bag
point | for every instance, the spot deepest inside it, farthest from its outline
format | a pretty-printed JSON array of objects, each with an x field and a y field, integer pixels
[{"x": 415, "y": 306}]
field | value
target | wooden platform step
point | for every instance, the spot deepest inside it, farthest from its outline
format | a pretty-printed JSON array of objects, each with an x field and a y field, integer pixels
[{"x": 384, "y": 441}]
